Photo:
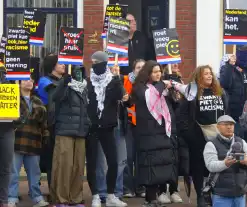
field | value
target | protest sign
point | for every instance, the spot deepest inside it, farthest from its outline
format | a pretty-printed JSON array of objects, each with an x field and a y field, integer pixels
[
  {"x": 9, "y": 101},
  {"x": 235, "y": 27},
  {"x": 118, "y": 36},
  {"x": 166, "y": 46},
  {"x": 35, "y": 20},
  {"x": 17, "y": 54},
  {"x": 34, "y": 69},
  {"x": 123, "y": 60},
  {"x": 71, "y": 46},
  {"x": 2, "y": 49},
  {"x": 113, "y": 10}
]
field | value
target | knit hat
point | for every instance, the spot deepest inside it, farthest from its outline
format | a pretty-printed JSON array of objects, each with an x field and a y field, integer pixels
[{"x": 99, "y": 57}]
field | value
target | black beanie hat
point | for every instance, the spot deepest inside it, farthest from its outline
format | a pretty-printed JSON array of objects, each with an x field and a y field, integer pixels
[{"x": 49, "y": 63}]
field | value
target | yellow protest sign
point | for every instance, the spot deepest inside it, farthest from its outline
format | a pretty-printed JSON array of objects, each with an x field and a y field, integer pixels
[{"x": 9, "y": 101}]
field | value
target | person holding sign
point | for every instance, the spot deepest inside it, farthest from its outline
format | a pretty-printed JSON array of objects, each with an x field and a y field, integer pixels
[
  {"x": 71, "y": 128},
  {"x": 31, "y": 132},
  {"x": 104, "y": 92}
]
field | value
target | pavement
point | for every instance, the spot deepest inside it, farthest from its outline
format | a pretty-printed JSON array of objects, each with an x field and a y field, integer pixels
[{"x": 133, "y": 202}]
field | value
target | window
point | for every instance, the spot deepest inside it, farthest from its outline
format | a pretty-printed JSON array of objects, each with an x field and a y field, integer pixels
[{"x": 59, "y": 13}]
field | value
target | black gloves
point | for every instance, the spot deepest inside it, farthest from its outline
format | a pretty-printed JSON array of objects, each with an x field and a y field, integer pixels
[{"x": 67, "y": 79}]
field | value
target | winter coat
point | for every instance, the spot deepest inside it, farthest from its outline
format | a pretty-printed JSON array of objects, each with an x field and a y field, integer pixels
[
  {"x": 71, "y": 117},
  {"x": 157, "y": 153},
  {"x": 234, "y": 83},
  {"x": 114, "y": 92},
  {"x": 31, "y": 127}
]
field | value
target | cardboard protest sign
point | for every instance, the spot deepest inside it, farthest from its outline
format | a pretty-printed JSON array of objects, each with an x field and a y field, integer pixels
[
  {"x": 9, "y": 101},
  {"x": 17, "y": 54},
  {"x": 35, "y": 20},
  {"x": 2, "y": 49},
  {"x": 71, "y": 46},
  {"x": 235, "y": 28},
  {"x": 166, "y": 46},
  {"x": 123, "y": 60},
  {"x": 113, "y": 10},
  {"x": 118, "y": 36}
]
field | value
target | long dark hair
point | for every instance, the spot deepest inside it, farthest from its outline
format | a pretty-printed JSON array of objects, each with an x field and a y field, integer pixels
[{"x": 144, "y": 75}]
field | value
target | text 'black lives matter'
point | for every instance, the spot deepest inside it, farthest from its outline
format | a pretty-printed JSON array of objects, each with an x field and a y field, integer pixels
[
  {"x": 17, "y": 54},
  {"x": 235, "y": 27},
  {"x": 2, "y": 48},
  {"x": 71, "y": 44},
  {"x": 118, "y": 35},
  {"x": 35, "y": 20},
  {"x": 166, "y": 46},
  {"x": 113, "y": 10}
]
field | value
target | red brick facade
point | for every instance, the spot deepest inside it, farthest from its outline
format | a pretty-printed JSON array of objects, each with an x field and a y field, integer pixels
[{"x": 185, "y": 21}]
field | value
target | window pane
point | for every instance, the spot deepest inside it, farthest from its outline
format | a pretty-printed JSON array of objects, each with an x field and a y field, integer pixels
[
  {"x": 41, "y": 3},
  {"x": 53, "y": 23}
]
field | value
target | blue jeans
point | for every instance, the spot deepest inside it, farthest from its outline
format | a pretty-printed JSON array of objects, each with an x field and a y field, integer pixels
[
  {"x": 219, "y": 201},
  {"x": 31, "y": 165},
  {"x": 102, "y": 166}
]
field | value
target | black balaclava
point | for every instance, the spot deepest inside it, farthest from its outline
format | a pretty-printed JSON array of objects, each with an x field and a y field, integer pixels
[{"x": 99, "y": 68}]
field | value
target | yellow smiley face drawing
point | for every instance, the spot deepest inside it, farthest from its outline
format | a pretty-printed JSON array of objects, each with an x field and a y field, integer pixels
[{"x": 172, "y": 48}]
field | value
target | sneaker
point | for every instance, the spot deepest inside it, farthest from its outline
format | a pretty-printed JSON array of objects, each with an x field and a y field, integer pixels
[
  {"x": 143, "y": 195},
  {"x": 151, "y": 204},
  {"x": 164, "y": 199},
  {"x": 129, "y": 195},
  {"x": 175, "y": 198},
  {"x": 11, "y": 204},
  {"x": 96, "y": 202},
  {"x": 114, "y": 201},
  {"x": 42, "y": 203}
]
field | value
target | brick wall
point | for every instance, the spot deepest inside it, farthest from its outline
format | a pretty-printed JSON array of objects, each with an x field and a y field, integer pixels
[
  {"x": 93, "y": 21},
  {"x": 186, "y": 26}
]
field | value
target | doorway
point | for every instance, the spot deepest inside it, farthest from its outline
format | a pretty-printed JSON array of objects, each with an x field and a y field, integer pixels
[{"x": 150, "y": 14}]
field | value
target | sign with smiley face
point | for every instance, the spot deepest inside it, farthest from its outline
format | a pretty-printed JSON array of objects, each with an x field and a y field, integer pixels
[{"x": 166, "y": 46}]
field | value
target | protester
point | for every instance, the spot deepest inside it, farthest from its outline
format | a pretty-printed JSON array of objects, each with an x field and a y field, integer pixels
[
  {"x": 234, "y": 81},
  {"x": 31, "y": 129},
  {"x": 221, "y": 161},
  {"x": 154, "y": 113},
  {"x": 104, "y": 92},
  {"x": 7, "y": 138},
  {"x": 101, "y": 169},
  {"x": 138, "y": 45},
  {"x": 71, "y": 128},
  {"x": 128, "y": 118},
  {"x": 197, "y": 121},
  {"x": 46, "y": 87}
]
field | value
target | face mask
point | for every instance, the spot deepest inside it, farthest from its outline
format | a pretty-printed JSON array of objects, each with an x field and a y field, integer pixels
[
  {"x": 99, "y": 68},
  {"x": 78, "y": 75}
]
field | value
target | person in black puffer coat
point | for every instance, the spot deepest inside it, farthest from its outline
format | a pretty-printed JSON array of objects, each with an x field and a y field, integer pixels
[
  {"x": 71, "y": 129},
  {"x": 234, "y": 81},
  {"x": 155, "y": 131}
]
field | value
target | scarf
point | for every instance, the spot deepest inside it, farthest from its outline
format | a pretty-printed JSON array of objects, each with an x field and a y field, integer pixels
[
  {"x": 77, "y": 85},
  {"x": 132, "y": 77},
  {"x": 100, "y": 82},
  {"x": 157, "y": 106}
]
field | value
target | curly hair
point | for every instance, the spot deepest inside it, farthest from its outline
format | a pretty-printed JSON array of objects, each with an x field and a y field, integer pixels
[{"x": 197, "y": 77}]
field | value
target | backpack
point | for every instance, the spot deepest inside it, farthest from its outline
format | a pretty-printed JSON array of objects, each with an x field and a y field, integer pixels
[{"x": 243, "y": 117}]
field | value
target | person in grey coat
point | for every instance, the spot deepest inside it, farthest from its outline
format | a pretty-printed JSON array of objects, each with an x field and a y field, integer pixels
[{"x": 221, "y": 160}]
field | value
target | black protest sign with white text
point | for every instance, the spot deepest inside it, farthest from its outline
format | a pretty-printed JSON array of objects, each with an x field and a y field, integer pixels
[
  {"x": 17, "y": 50},
  {"x": 166, "y": 46},
  {"x": 118, "y": 35},
  {"x": 71, "y": 46},
  {"x": 35, "y": 20},
  {"x": 112, "y": 10},
  {"x": 235, "y": 23}
]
